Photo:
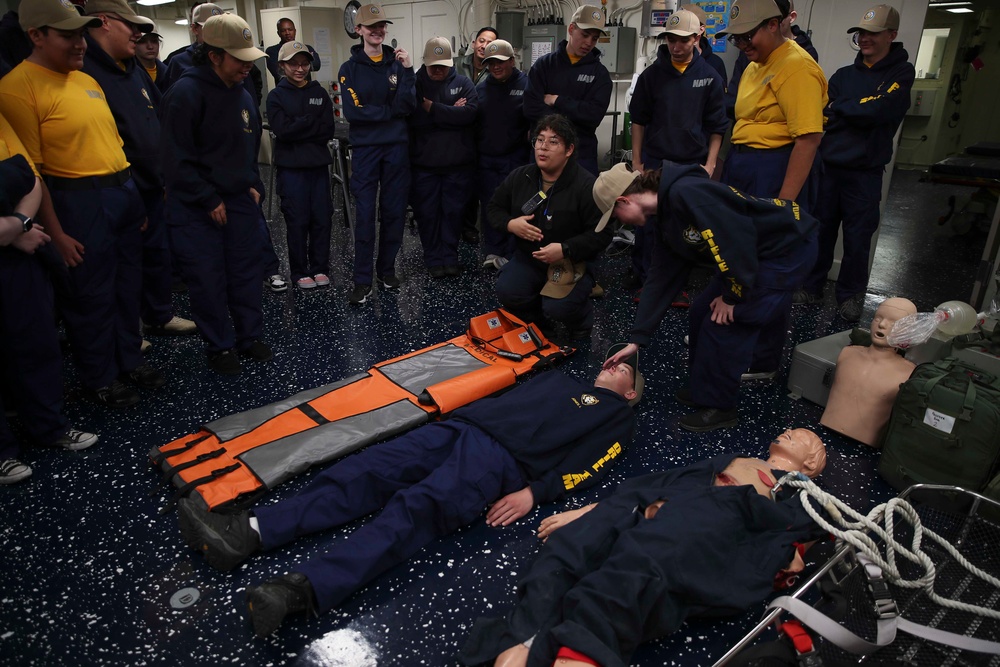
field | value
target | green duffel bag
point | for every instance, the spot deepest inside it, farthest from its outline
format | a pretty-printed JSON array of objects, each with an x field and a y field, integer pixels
[{"x": 944, "y": 428}]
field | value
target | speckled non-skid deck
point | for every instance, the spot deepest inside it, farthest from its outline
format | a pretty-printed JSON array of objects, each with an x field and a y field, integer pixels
[{"x": 90, "y": 574}]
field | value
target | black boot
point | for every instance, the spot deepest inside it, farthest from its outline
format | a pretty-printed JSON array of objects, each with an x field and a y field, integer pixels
[
  {"x": 226, "y": 540},
  {"x": 270, "y": 602}
]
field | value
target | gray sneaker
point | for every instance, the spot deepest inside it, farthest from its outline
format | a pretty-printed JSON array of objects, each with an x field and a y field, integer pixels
[
  {"x": 75, "y": 440},
  {"x": 13, "y": 471}
]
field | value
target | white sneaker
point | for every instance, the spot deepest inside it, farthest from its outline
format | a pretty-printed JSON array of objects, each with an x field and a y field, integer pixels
[
  {"x": 494, "y": 262},
  {"x": 180, "y": 326},
  {"x": 276, "y": 283}
]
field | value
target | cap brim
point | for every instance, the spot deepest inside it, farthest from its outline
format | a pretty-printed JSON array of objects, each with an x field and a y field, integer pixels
[
  {"x": 248, "y": 54},
  {"x": 587, "y": 26},
  {"x": 554, "y": 291},
  {"x": 74, "y": 23},
  {"x": 448, "y": 63},
  {"x": 371, "y": 23},
  {"x": 867, "y": 29},
  {"x": 502, "y": 59},
  {"x": 604, "y": 219},
  {"x": 682, "y": 33}
]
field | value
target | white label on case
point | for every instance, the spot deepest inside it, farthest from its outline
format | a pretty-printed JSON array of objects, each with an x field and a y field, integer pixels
[{"x": 939, "y": 420}]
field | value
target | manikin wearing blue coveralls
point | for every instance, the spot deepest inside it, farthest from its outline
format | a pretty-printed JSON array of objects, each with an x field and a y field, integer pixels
[
  {"x": 677, "y": 113},
  {"x": 428, "y": 483},
  {"x": 868, "y": 101},
  {"x": 571, "y": 81},
  {"x": 706, "y": 540},
  {"x": 301, "y": 116},
  {"x": 29, "y": 347},
  {"x": 501, "y": 140},
  {"x": 442, "y": 156},
  {"x": 134, "y": 104},
  {"x": 761, "y": 248},
  {"x": 95, "y": 213},
  {"x": 378, "y": 83},
  {"x": 548, "y": 207},
  {"x": 211, "y": 136}
]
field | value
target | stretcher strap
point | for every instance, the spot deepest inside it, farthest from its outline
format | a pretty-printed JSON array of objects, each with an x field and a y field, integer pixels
[
  {"x": 157, "y": 459},
  {"x": 184, "y": 490}
]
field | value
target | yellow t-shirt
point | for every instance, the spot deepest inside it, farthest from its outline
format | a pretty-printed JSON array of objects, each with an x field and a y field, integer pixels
[
  {"x": 780, "y": 99},
  {"x": 680, "y": 67},
  {"x": 10, "y": 145},
  {"x": 573, "y": 59},
  {"x": 151, "y": 71},
  {"x": 63, "y": 120},
  {"x": 376, "y": 59}
]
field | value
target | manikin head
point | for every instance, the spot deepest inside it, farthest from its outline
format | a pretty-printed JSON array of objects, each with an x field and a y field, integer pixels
[
  {"x": 889, "y": 311},
  {"x": 798, "y": 449}
]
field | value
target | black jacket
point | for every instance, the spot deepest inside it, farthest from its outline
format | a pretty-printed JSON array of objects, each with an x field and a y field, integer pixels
[
  {"x": 867, "y": 104},
  {"x": 134, "y": 103},
  {"x": 444, "y": 137},
  {"x": 699, "y": 219},
  {"x": 569, "y": 215},
  {"x": 302, "y": 120}
]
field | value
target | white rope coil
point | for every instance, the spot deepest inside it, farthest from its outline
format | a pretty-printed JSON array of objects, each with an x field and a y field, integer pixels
[{"x": 854, "y": 530}]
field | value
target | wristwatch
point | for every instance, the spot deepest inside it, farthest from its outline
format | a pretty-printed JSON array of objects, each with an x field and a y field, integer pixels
[{"x": 26, "y": 222}]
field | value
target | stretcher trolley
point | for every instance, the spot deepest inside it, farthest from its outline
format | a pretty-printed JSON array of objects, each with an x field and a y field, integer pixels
[{"x": 943, "y": 609}]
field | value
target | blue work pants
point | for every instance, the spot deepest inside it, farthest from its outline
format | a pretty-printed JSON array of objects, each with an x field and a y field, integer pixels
[
  {"x": 156, "y": 304},
  {"x": 721, "y": 353},
  {"x": 429, "y": 482},
  {"x": 382, "y": 173},
  {"x": 308, "y": 213},
  {"x": 439, "y": 199},
  {"x": 520, "y": 282},
  {"x": 851, "y": 197},
  {"x": 221, "y": 265}
]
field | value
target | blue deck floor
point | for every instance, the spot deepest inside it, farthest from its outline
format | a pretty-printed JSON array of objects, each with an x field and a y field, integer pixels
[{"x": 88, "y": 567}]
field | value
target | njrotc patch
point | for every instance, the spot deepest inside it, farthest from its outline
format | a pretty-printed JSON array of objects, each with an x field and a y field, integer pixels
[
  {"x": 778, "y": 202},
  {"x": 588, "y": 399},
  {"x": 596, "y": 16},
  {"x": 246, "y": 118},
  {"x": 438, "y": 51},
  {"x": 870, "y": 15},
  {"x": 734, "y": 13},
  {"x": 674, "y": 20},
  {"x": 692, "y": 236},
  {"x": 392, "y": 80},
  {"x": 247, "y": 37},
  {"x": 297, "y": 46},
  {"x": 374, "y": 9},
  {"x": 146, "y": 95}
]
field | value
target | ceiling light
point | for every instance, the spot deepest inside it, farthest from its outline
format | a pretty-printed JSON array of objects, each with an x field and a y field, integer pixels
[
  {"x": 150, "y": 3},
  {"x": 181, "y": 21},
  {"x": 949, "y": 4},
  {"x": 960, "y": 10}
]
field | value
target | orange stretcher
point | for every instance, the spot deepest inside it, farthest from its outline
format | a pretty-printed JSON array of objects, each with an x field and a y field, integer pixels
[{"x": 230, "y": 462}]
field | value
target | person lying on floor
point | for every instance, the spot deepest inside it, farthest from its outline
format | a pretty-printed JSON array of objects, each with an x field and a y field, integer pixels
[
  {"x": 429, "y": 482},
  {"x": 702, "y": 540}
]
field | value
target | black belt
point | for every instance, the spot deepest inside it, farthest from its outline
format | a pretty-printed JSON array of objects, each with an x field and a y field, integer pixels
[
  {"x": 743, "y": 148},
  {"x": 89, "y": 182}
]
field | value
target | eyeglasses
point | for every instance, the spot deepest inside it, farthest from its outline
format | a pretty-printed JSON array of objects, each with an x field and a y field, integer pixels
[
  {"x": 740, "y": 41},
  {"x": 292, "y": 65},
  {"x": 550, "y": 142}
]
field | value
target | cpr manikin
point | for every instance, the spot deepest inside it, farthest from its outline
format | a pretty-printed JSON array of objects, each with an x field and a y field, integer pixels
[
  {"x": 868, "y": 379},
  {"x": 794, "y": 450}
]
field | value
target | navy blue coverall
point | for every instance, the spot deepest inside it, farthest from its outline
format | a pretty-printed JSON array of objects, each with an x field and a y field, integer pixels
[
  {"x": 502, "y": 143},
  {"x": 443, "y": 158},
  {"x": 134, "y": 104},
  {"x": 211, "y": 137},
  {"x": 613, "y": 579},
  {"x": 302, "y": 120},
  {"x": 378, "y": 98},
  {"x": 584, "y": 91},
  {"x": 867, "y": 105},
  {"x": 761, "y": 249},
  {"x": 440, "y": 477}
]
